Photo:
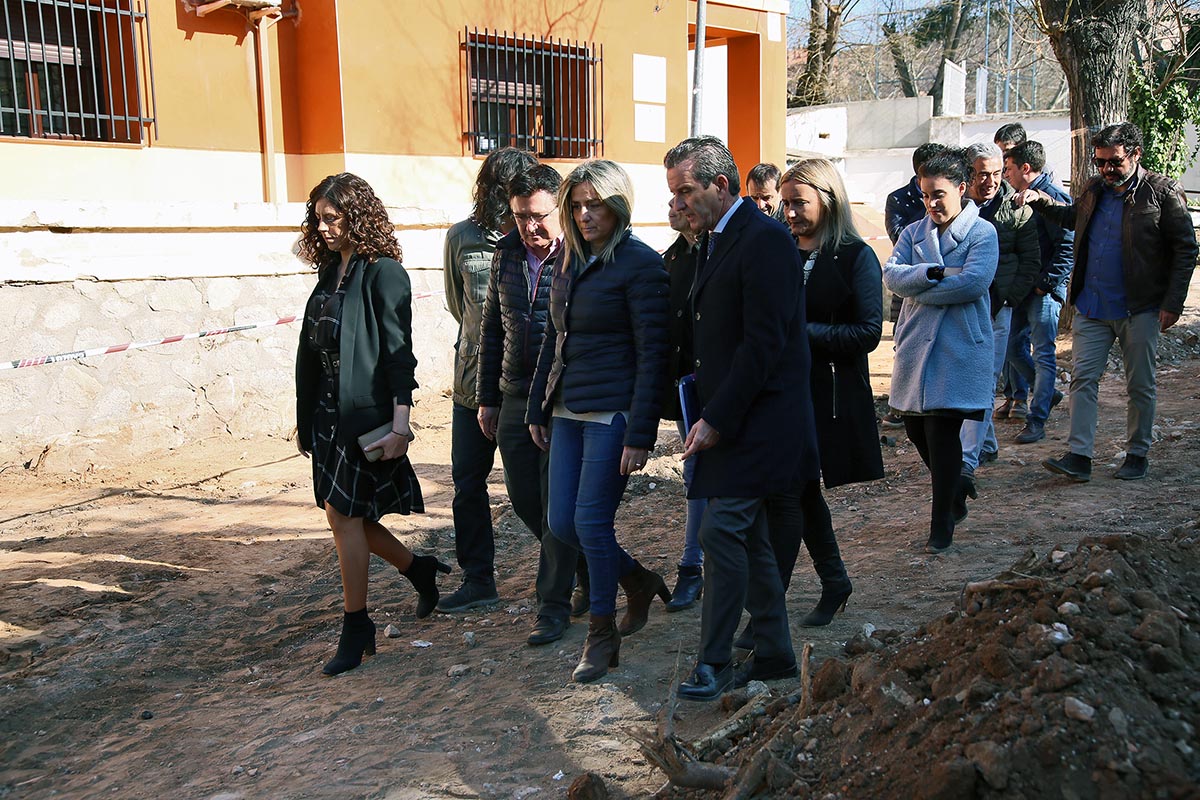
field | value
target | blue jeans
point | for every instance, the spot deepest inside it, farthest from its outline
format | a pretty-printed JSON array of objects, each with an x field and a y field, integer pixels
[
  {"x": 1016, "y": 387},
  {"x": 1040, "y": 315},
  {"x": 586, "y": 485},
  {"x": 977, "y": 437},
  {"x": 693, "y": 553}
]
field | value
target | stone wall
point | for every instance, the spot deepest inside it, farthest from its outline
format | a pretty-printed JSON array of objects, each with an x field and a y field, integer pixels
[{"x": 106, "y": 409}]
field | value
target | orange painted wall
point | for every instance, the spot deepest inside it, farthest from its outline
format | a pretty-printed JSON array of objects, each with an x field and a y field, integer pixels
[
  {"x": 205, "y": 79},
  {"x": 409, "y": 99},
  {"x": 757, "y": 82}
]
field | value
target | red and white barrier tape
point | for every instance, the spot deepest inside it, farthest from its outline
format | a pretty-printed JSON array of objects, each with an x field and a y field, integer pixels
[{"x": 77, "y": 355}]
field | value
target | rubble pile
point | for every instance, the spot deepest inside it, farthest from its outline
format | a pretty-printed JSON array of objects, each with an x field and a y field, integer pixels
[{"x": 1071, "y": 675}]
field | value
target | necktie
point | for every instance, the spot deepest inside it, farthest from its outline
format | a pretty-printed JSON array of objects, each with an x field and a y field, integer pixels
[{"x": 712, "y": 242}]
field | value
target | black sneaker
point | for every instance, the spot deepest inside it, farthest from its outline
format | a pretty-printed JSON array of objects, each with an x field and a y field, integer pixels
[
  {"x": 1076, "y": 467},
  {"x": 987, "y": 456},
  {"x": 470, "y": 595},
  {"x": 1134, "y": 468}
]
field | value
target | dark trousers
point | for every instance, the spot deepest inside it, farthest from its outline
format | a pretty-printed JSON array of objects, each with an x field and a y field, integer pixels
[
  {"x": 801, "y": 514},
  {"x": 737, "y": 547},
  {"x": 936, "y": 439},
  {"x": 527, "y": 474},
  {"x": 471, "y": 457}
]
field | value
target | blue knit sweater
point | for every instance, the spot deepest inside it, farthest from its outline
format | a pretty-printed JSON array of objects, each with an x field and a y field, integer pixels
[{"x": 943, "y": 337}]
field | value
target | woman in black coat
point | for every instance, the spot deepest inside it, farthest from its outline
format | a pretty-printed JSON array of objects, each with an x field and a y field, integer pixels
[
  {"x": 594, "y": 400},
  {"x": 844, "y": 308},
  {"x": 354, "y": 376}
]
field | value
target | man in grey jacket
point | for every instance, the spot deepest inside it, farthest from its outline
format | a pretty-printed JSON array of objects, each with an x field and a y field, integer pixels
[{"x": 1135, "y": 250}]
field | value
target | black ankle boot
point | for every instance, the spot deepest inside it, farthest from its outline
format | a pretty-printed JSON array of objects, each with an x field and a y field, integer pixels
[
  {"x": 423, "y": 573},
  {"x": 833, "y": 599},
  {"x": 357, "y": 640}
]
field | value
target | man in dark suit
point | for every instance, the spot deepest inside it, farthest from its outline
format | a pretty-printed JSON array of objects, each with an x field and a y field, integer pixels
[{"x": 755, "y": 435}]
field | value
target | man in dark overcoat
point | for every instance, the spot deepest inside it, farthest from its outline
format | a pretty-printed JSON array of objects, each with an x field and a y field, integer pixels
[{"x": 755, "y": 435}]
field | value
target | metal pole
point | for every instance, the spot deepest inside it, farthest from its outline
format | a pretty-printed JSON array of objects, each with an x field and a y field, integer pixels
[
  {"x": 987, "y": 52},
  {"x": 698, "y": 69},
  {"x": 1008, "y": 56}
]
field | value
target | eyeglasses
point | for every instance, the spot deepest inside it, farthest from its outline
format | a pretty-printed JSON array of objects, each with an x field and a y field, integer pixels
[
  {"x": 1115, "y": 163},
  {"x": 525, "y": 219}
]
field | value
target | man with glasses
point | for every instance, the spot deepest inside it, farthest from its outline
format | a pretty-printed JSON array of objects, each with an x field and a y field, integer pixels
[
  {"x": 514, "y": 323},
  {"x": 1135, "y": 250}
]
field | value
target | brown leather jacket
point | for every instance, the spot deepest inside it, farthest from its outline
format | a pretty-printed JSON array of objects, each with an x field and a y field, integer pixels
[{"x": 1158, "y": 250}]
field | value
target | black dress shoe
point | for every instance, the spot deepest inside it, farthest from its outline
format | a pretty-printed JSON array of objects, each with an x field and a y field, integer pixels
[
  {"x": 1133, "y": 469},
  {"x": 707, "y": 682},
  {"x": 767, "y": 669},
  {"x": 547, "y": 630},
  {"x": 1076, "y": 467},
  {"x": 688, "y": 587}
]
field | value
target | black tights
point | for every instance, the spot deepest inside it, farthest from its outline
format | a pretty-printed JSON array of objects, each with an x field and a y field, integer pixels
[{"x": 936, "y": 439}]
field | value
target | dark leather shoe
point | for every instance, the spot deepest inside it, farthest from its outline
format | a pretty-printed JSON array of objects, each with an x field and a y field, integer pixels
[
  {"x": 469, "y": 595},
  {"x": 1004, "y": 409},
  {"x": 547, "y": 630},
  {"x": 707, "y": 682},
  {"x": 688, "y": 588},
  {"x": 1076, "y": 467},
  {"x": 987, "y": 456},
  {"x": 1055, "y": 399},
  {"x": 1032, "y": 432},
  {"x": 768, "y": 669},
  {"x": 1134, "y": 468},
  {"x": 641, "y": 585}
]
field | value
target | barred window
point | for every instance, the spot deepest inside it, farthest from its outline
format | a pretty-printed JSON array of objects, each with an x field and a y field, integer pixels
[
  {"x": 76, "y": 69},
  {"x": 539, "y": 94}
]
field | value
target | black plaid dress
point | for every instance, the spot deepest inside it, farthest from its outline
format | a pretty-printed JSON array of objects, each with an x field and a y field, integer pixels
[{"x": 342, "y": 476}]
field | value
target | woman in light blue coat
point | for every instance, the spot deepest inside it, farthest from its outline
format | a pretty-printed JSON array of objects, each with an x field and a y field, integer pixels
[{"x": 942, "y": 267}]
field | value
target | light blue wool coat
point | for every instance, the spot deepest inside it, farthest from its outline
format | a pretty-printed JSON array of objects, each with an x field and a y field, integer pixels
[{"x": 943, "y": 337}]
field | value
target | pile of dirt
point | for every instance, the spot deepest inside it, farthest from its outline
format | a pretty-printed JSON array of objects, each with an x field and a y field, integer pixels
[{"x": 1071, "y": 675}]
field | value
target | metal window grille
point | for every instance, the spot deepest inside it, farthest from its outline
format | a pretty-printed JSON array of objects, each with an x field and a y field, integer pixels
[
  {"x": 540, "y": 94},
  {"x": 76, "y": 69}
]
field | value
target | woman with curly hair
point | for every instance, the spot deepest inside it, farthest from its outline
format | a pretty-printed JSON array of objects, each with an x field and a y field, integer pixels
[{"x": 354, "y": 376}]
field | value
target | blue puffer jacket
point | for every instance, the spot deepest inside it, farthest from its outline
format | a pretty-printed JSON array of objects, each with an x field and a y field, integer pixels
[
  {"x": 943, "y": 338},
  {"x": 606, "y": 340}
]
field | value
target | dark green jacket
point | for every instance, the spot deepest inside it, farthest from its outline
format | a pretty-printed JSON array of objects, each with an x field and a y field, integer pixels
[
  {"x": 467, "y": 264},
  {"x": 1020, "y": 264},
  {"x": 375, "y": 349}
]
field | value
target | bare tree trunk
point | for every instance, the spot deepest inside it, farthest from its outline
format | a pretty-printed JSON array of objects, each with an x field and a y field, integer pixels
[
  {"x": 1093, "y": 41},
  {"x": 895, "y": 46},
  {"x": 954, "y": 36},
  {"x": 824, "y": 27}
]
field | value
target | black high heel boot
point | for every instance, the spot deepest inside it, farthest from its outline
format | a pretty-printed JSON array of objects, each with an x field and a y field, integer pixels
[
  {"x": 832, "y": 601},
  {"x": 357, "y": 640},
  {"x": 422, "y": 572}
]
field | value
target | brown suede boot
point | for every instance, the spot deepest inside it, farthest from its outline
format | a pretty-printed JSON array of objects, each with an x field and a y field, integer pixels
[
  {"x": 640, "y": 587},
  {"x": 600, "y": 651}
]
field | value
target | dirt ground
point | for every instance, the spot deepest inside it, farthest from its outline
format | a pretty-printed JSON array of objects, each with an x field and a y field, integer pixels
[{"x": 163, "y": 623}]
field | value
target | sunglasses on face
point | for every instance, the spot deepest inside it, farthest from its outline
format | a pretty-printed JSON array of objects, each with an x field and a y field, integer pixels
[{"x": 1115, "y": 163}]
